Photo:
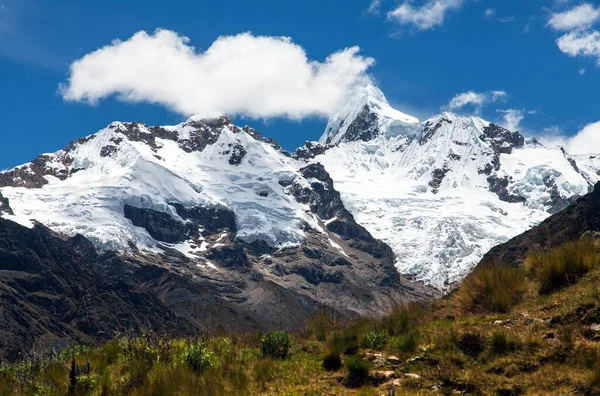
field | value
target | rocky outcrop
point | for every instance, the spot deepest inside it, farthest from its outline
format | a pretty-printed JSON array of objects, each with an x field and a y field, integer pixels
[
  {"x": 213, "y": 218},
  {"x": 161, "y": 226},
  {"x": 5, "y": 206}
]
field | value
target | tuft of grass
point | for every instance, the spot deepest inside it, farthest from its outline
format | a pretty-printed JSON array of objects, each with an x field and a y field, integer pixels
[
  {"x": 276, "y": 344},
  {"x": 500, "y": 344},
  {"x": 404, "y": 343},
  {"x": 332, "y": 361},
  {"x": 562, "y": 266},
  {"x": 492, "y": 288},
  {"x": 402, "y": 319},
  {"x": 358, "y": 370},
  {"x": 471, "y": 344}
]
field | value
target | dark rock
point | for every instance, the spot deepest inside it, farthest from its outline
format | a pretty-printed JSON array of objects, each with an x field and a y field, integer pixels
[
  {"x": 430, "y": 129},
  {"x": 211, "y": 218},
  {"x": 5, "y": 206},
  {"x": 230, "y": 257},
  {"x": 237, "y": 154},
  {"x": 108, "y": 150},
  {"x": 437, "y": 176},
  {"x": 501, "y": 139},
  {"x": 161, "y": 226},
  {"x": 310, "y": 150},
  {"x": 498, "y": 185}
]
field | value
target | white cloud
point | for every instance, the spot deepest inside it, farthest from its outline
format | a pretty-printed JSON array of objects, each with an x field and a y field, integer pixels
[
  {"x": 489, "y": 13},
  {"x": 374, "y": 7},
  {"x": 512, "y": 118},
  {"x": 580, "y": 43},
  {"x": 429, "y": 15},
  {"x": 476, "y": 99},
  {"x": 582, "y": 16},
  {"x": 586, "y": 141},
  {"x": 582, "y": 71},
  {"x": 256, "y": 76}
]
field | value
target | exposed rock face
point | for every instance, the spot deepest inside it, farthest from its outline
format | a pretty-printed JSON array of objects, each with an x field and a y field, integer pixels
[
  {"x": 570, "y": 224},
  {"x": 5, "y": 206},
  {"x": 161, "y": 226},
  {"x": 310, "y": 150},
  {"x": 501, "y": 139},
  {"x": 51, "y": 296},
  {"x": 211, "y": 218}
]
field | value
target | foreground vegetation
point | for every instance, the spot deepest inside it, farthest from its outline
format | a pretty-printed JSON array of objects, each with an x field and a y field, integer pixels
[{"x": 505, "y": 331}]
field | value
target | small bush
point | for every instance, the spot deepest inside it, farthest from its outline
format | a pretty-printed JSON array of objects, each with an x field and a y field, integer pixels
[
  {"x": 276, "y": 344},
  {"x": 376, "y": 340},
  {"x": 471, "y": 344},
  {"x": 500, "y": 344},
  {"x": 493, "y": 288},
  {"x": 404, "y": 343},
  {"x": 198, "y": 358},
  {"x": 562, "y": 266},
  {"x": 332, "y": 361},
  {"x": 358, "y": 370}
]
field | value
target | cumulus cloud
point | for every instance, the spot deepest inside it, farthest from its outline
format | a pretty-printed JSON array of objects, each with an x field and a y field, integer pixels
[
  {"x": 582, "y": 16},
  {"x": 586, "y": 141},
  {"x": 580, "y": 43},
  {"x": 429, "y": 15},
  {"x": 476, "y": 99},
  {"x": 255, "y": 76},
  {"x": 512, "y": 118}
]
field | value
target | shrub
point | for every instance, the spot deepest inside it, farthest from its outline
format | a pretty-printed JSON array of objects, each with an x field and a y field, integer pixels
[
  {"x": 500, "y": 344},
  {"x": 358, "y": 370},
  {"x": 471, "y": 344},
  {"x": 197, "y": 357},
  {"x": 332, "y": 361},
  {"x": 492, "y": 288},
  {"x": 562, "y": 266},
  {"x": 404, "y": 343},
  {"x": 276, "y": 344},
  {"x": 376, "y": 340}
]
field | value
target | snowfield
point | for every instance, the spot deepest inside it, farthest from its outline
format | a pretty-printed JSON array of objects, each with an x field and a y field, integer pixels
[{"x": 427, "y": 193}]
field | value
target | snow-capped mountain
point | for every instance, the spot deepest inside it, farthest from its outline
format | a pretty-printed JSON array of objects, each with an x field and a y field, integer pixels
[
  {"x": 217, "y": 204},
  {"x": 444, "y": 191}
]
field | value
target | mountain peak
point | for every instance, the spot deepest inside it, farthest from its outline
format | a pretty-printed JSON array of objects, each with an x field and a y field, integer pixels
[{"x": 367, "y": 116}]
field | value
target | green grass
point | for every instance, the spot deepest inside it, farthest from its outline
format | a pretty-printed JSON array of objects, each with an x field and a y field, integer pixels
[
  {"x": 563, "y": 266},
  {"x": 494, "y": 288},
  {"x": 535, "y": 344}
]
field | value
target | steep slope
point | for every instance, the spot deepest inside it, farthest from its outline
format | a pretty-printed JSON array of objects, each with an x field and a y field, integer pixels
[
  {"x": 222, "y": 210},
  {"x": 442, "y": 192},
  {"x": 50, "y": 296},
  {"x": 568, "y": 225}
]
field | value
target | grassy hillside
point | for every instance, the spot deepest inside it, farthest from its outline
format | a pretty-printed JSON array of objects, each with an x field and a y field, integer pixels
[{"x": 505, "y": 331}]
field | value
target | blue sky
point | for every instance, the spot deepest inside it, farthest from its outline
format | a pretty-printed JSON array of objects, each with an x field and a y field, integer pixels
[{"x": 478, "y": 46}]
